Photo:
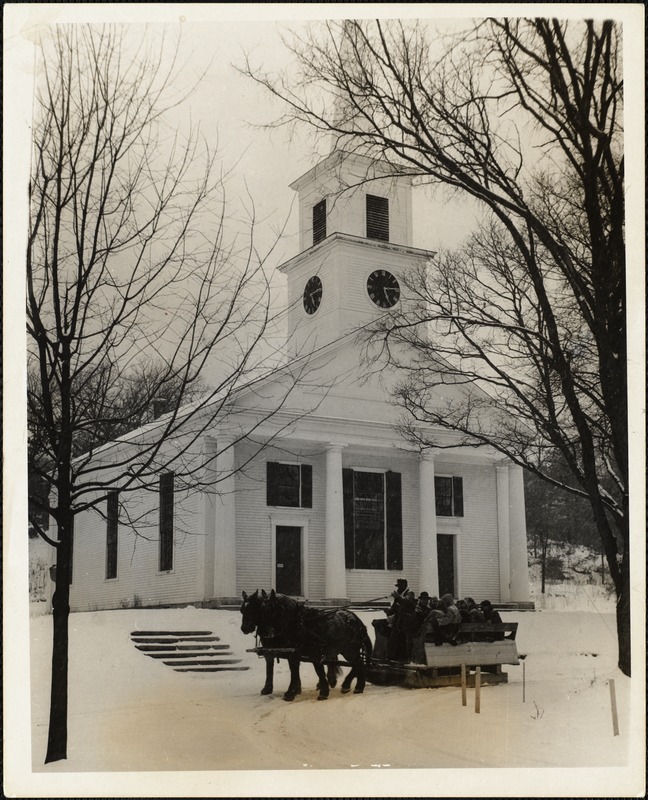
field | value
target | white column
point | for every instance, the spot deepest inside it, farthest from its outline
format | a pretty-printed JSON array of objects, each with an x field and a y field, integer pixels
[
  {"x": 225, "y": 522},
  {"x": 205, "y": 576},
  {"x": 518, "y": 536},
  {"x": 503, "y": 532},
  {"x": 429, "y": 564},
  {"x": 335, "y": 585}
]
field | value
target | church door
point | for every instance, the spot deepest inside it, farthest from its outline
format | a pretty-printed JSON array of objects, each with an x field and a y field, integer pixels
[
  {"x": 446, "y": 558},
  {"x": 288, "y": 577}
]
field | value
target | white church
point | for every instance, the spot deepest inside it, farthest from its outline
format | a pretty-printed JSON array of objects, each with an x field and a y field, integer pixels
[{"x": 337, "y": 506}]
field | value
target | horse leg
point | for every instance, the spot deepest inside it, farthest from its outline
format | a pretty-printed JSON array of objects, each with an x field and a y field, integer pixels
[
  {"x": 346, "y": 683},
  {"x": 360, "y": 673},
  {"x": 363, "y": 660},
  {"x": 267, "y": 689},
  {"x": 356, "y": 659},
  {"x": 323, "y": 682},
  {"x": 294, "y": 687}
]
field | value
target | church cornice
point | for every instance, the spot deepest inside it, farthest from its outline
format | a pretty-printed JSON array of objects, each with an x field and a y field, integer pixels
[
  {"x": 338, "y": 157},
  {"x": 347, "y": 238}
]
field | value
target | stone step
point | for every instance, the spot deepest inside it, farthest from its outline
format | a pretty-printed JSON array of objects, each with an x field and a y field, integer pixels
[
  {"x": 154, "y": 648},
  {"x": 186, "y": 651},
  {"x": 171, "y": 639},
  {"x": 196, "y": 663},
  {"x": 171, "y": 633},
  {"x": 209, "y": 669},
  {"x": 190, "y": 655}
]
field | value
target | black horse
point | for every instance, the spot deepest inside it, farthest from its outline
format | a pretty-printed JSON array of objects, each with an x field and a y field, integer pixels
[
  {"x": 252, "y": 611},
  {"x": 317, "y": 636}
]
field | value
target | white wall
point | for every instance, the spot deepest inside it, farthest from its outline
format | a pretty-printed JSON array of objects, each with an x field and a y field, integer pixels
[{"x": 138, "y": 580}]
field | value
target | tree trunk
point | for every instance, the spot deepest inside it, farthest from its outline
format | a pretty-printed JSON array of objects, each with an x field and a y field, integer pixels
[
  {"x": 57, "y": 735},
  {"x": 623, "y": 616}
]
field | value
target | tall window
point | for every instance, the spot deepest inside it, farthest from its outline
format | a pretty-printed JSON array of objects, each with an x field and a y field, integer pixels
[
  {"x": 319, "y": 221},
  {"x": 373, "y": 533},
  {"x": 377, "y": 218},
  {"x": 289, "y": 485},
  {"x": 166, "y": 521},
  {"x": 112, "y": 528},
  {"x": 449, "y": 496}
]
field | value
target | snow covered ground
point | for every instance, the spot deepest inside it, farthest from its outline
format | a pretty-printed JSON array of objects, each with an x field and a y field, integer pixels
[{"x": 138, "y": 728}]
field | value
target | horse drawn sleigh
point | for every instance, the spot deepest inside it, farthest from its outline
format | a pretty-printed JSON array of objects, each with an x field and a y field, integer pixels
[{"x": 289, "y": 630}]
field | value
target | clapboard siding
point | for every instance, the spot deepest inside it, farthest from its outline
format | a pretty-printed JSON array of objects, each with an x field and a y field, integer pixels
[
  {"x": 254, "y": 519},
  {"x": 138, "y": 580},
  {"x": 477, "y": 530}
]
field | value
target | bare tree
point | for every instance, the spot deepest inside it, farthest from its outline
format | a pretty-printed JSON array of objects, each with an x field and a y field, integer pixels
[
  {"x": 525, "y": 118},
  {"x": 129, "y": 264}
]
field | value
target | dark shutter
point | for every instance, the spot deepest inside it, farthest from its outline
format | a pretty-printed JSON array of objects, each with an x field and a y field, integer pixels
[
  {"x": 394, "y": 521},
  {"x": 377, "y": 218},
  {"x": 457, "y": 492},
  {"x": 347, "y": 494},
  {"x": 166, "y": 522},
  {"x": 271, "y": 483},
  {"x": 112, "y": 530},
  {"x": 319, "y": 221},
  {"x": 306, "y": 486}
]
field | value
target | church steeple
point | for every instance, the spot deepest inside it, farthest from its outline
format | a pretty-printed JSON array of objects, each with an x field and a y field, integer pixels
[
  {"x": 355, "y": 238},
  {"x": 350, "y": 193}
]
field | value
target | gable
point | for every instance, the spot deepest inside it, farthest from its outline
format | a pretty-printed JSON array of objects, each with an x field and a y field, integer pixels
[{"x": 335, "y": 383}]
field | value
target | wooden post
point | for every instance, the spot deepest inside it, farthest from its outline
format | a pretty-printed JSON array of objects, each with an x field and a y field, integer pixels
[
  {"x": 524, "y": 681},
  {"x": 615, "y": 717},
  {"x": 463, "y": 685},
  {"x": 477, "y": 689}
]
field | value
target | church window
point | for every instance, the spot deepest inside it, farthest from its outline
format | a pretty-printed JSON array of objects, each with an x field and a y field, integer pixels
[
  {"x": 166, "y": 521},
  {"x": 319, "y": 221},
  {"x": 373, "y": 533},
  {"x": 289, "y": 485},
  {"x": 377, "y": 218},
  {"x": 112, "y": 529},
  {"x": 448, "y": 493}
]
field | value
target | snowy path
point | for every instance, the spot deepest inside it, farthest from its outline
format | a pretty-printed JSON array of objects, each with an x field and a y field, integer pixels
[{"x": 129, "y": 712}]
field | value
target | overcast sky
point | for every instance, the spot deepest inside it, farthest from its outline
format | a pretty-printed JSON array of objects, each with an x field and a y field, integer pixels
[{"x": 227, "y": 106}]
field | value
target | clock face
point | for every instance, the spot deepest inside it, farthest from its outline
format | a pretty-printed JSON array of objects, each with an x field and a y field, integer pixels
[
  {"x": 383, "y": 288},
  {"x": 312, "y": 294}
]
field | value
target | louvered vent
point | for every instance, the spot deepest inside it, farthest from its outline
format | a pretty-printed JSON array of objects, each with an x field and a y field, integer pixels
[
  {"x": 319, "y": 221},
  {"x": 377, "y": 218}
]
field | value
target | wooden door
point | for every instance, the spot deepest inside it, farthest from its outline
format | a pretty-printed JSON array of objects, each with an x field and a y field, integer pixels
[
  {"x": 288, "y": 569},
  {"x": 446, "y": 558}
]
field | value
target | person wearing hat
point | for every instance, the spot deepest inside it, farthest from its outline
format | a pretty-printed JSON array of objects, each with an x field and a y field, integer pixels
[
  {"x": 474, "y": 610},
  {"x": 491, "y": 617},
  {"x": 403, "y": 626},
  {"x": 384, "y": 627},
  {"x": 399, "y": 592},
  {"x": 445, "y": 620}
]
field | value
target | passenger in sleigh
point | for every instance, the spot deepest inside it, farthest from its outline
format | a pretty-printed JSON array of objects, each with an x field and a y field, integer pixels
[
  {"x": 402, "y": 630},
  {"x": 416, "y": 635},
  {"x": 384, "y": 628},
  {"x": 491, "y": 617},
  {"x": 444, "y": 621}
]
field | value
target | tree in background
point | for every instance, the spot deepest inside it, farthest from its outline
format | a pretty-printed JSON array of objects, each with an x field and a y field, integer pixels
[
  {"x": 134, "y": 283},
  {"x": 518, "y": 339},
  {"x": 554, "y": 515}
]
